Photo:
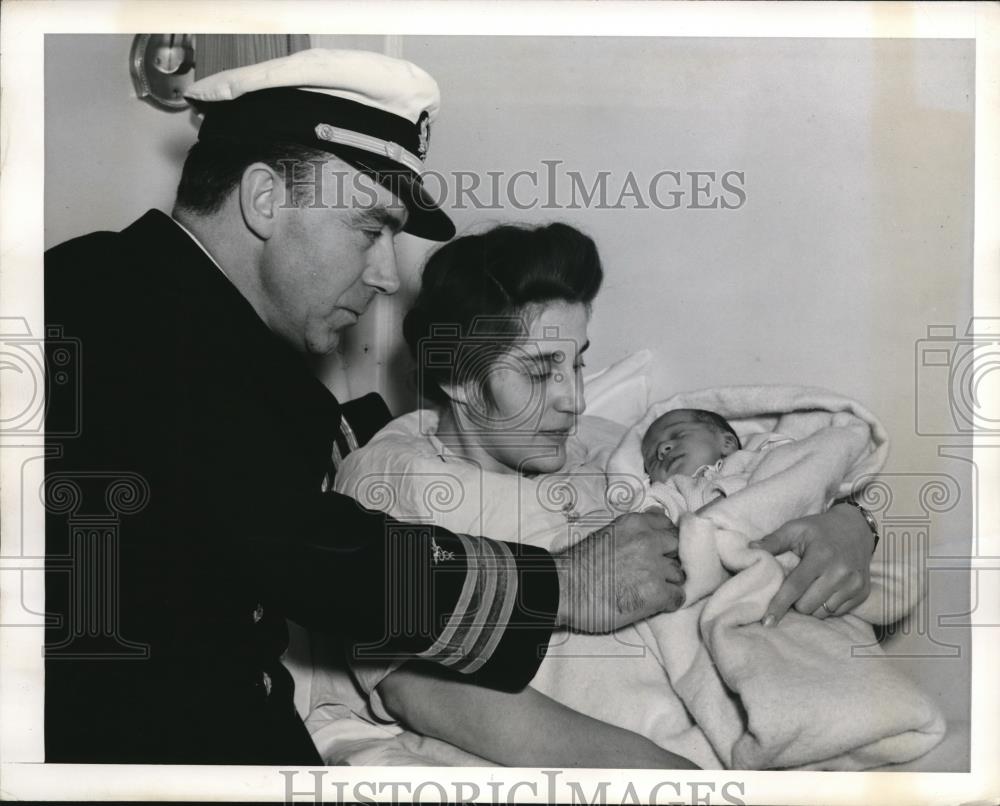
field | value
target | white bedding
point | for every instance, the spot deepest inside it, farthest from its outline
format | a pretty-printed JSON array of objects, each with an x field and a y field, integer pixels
[
  {"x": 796, "y": 696},
  {"x": 616, "y": 678}
]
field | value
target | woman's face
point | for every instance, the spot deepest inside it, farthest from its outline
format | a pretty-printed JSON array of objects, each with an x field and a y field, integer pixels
[{"x": 535, "y": 391}]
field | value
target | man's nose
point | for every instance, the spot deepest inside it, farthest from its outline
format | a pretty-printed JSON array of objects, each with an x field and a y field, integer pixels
[{"x": 382, "y": 273}]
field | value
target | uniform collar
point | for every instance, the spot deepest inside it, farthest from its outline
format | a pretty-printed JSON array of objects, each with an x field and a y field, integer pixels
[{"x": 201, "y": 246}]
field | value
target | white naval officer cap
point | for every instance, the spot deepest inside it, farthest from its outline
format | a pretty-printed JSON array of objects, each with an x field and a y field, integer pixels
[{"x": 370, "y": 110}]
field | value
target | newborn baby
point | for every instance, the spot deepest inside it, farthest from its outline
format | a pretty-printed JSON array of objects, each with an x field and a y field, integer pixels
[
  {"x": 685, "y": 441},
  {"x": 693, "y": 456}
]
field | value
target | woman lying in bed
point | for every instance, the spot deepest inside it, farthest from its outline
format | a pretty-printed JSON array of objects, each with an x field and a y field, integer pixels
[{"x": 499, "y": 330}]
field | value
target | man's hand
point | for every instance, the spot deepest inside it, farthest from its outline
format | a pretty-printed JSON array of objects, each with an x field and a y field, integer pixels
[
  {"x": 833, "y": 576},
  {"x": 620, "y": 573}
]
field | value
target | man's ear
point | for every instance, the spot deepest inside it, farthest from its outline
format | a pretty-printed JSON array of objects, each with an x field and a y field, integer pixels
[
  {"x": 729, "y": 444},
  {"x": 261, "y": 193}
]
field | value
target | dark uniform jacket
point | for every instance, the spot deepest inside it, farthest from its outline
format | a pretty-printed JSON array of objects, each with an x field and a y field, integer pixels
[{"x": 186, "y": 519}]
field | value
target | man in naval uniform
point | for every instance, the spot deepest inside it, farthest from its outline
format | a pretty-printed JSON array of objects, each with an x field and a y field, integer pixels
[{"x": 202, "y": 427}]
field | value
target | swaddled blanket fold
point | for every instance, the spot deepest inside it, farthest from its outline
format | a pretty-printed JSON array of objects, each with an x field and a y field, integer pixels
[{"x": 809, "y": 693}]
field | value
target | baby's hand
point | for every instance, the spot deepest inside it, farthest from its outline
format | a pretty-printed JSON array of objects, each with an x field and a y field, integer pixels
[{"x": 671, "y": 529}]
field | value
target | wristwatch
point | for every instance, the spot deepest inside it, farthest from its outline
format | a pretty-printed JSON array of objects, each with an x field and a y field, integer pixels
[{"x": 869, "y": 518}]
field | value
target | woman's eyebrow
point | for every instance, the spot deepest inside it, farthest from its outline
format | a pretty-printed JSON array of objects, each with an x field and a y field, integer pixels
[{"x": 544, "y": 357}]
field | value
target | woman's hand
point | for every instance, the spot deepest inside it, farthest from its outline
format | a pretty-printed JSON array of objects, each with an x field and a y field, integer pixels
[{"x": 833, "y": 575}]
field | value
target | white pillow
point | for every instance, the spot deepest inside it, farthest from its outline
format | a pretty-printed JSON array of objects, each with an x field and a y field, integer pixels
[{"x": 620, "y": 392}]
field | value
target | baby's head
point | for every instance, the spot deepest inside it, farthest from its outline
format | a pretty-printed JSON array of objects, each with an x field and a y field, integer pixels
[{"x": 682, "y": 440}]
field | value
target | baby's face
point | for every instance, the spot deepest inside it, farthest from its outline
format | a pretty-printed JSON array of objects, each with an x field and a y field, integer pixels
[{"x": 678, "y": 443}]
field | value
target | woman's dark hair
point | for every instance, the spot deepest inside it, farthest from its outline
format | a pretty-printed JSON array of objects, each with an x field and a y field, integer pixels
[
  {"x": 475, "y": 291},
  {"x": 213, "y": 168}
]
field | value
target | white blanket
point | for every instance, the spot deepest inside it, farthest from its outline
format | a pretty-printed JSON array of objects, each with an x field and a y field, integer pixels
[
  {"x": 793, "y": 696},
  {"x": 618, "y": 678}
]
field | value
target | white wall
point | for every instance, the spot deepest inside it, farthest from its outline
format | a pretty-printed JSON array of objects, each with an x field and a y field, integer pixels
[
  {"x": 109, "y": 157},
  {"x": 857, "y": 224}
]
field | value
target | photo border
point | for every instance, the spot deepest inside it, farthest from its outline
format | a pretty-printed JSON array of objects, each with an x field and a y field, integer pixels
[{"x": 25, "y": 22}]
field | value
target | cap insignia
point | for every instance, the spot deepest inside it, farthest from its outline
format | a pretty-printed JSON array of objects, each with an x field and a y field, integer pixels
[{"x": 424, "y": 134}]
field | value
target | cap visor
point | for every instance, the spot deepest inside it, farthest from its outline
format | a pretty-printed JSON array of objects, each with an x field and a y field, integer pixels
[{"x": 425, "y": 218}]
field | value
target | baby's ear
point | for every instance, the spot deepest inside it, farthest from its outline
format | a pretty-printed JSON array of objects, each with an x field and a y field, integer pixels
[{"x": 729, "y": 444}]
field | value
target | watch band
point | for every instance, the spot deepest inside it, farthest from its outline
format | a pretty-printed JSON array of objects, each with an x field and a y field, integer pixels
[{"x": 869, "y": 518}]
